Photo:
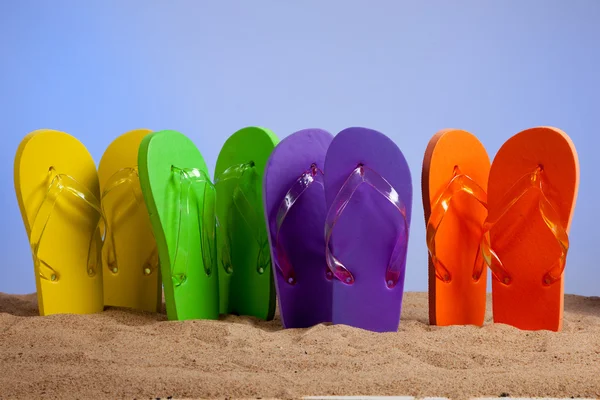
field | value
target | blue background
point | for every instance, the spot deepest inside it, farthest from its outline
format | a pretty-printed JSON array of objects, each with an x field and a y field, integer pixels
[{"x": 408, "y": 69}]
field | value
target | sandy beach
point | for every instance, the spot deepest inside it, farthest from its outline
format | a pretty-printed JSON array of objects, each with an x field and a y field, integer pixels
[{"x": 126, "y": 354}]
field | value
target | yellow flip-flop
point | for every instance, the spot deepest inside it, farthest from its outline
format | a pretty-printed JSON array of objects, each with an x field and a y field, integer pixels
[
  {"x": 131, "y": 272},
  {"x": 57, "y": 189}
]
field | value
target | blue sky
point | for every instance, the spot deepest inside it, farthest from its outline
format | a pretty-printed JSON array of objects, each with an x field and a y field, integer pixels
[{"x": 96, "y": 69}]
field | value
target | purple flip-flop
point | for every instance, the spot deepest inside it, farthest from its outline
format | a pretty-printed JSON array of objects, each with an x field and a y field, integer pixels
[
  {"x": 295, "y": 209},
  {"x": 368, "y": 192}
]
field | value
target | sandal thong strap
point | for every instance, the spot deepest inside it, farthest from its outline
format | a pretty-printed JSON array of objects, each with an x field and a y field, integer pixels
[
  {"x": 535, "y": 180},
  {"x": 364, "y": 175},
  {"x": 126, "y": 178},
  {"x": 460, "y": 183},
  {"x": 189, "y": 179},
  {"x": 245, "y": 177},
  {"x": 282, "y": 262},
  {"x": 60, "y": 185}
]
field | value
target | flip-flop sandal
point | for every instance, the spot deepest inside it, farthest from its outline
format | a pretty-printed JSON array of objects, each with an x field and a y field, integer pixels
[
  {"x": 245, "y": 277},
  {"x": 454, "y": 183},
  {"x": 368, "y": 191},
  {"x": 295, "y": 208},
  {"x": 181, "y": 201},
  {"x": 532, "y": 191},
  {"x": 131, "y": 274},
  {"x": 57, "y": 190}
]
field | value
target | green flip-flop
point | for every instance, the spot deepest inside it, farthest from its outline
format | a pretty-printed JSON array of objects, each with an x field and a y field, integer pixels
[
  {"x": 181, "y": 201},
  {"x": 244, "y": 259}
]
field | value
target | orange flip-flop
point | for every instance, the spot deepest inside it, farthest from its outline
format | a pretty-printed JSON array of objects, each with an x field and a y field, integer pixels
[
  {"x": 532, "y": 191},
  {"x": 454, "y": 185}
]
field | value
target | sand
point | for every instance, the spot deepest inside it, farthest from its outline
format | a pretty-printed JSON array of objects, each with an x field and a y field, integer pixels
[{"x": 126, "y": 354}]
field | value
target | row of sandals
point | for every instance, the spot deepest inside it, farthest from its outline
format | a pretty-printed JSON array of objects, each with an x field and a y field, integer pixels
[{"x": 320, "y": 223}]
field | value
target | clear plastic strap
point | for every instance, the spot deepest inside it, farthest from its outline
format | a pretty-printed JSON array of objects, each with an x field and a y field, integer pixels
[
  {"x": 282, "y": 262},
  {"x": 246, "y": 177},
  {"x": 459, "y": 183},
  {"x": 127, "y": 178},
  {"x": 189, "y": 178},
  {"x": 58, "y": 185},
  {"x": 359, "y": 176},
  {"x": 535, "y": 180}
]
